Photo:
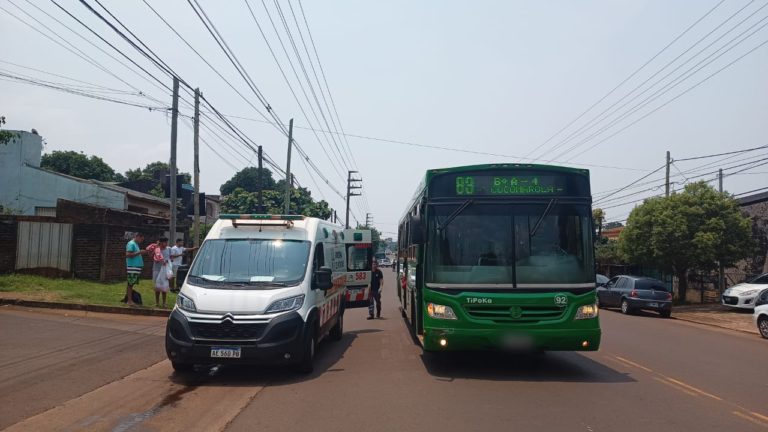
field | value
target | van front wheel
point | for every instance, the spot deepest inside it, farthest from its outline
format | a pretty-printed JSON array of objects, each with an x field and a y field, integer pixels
[
  {"x": 338, "y": 329},
  {"x": 307, "y": 363}
]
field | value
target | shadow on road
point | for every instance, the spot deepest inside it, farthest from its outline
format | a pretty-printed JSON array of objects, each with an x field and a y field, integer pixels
[
  {"x": 328, "y": 354},
  {"x": 500, "y": 366}
]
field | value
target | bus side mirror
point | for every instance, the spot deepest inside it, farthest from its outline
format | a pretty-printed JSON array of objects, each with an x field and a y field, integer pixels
[
  {"x": 416, "y": 231},
  {"x": 322, "y": 279}
]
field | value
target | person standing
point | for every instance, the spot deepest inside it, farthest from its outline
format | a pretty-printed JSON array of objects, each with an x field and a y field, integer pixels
[
  {"x": 376, "y": 278},
  {"x": 134, "y": 263},
  {"x": 161, "y": 260},
  {"x": 177, "y": 257}
]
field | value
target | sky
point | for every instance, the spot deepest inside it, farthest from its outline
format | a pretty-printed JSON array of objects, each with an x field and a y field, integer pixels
[{"x": 462, "y": 82}]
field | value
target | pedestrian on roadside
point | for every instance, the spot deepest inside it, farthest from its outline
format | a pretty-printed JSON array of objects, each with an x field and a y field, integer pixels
[
  {"x": 161, "y": 263},
  {"x": 134, "y": 263},
  {"x": 376, "y": 278},
  {"x": 177, "y": 258}
]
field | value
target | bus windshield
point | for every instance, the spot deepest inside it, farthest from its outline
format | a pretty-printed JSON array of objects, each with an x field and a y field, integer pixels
[{"x": 510, "y": 245}]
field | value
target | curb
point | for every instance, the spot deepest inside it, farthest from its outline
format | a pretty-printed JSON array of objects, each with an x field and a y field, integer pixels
[
  {"x": 87, "y": 307},
  {"x": 753, "y": 333}
]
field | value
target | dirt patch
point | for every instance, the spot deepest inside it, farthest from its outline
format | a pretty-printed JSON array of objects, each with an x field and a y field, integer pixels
[{"x": 32, "y": 295}]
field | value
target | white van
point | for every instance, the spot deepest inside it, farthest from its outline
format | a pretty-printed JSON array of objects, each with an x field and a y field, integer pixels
[{"x": 262, "y": 289}]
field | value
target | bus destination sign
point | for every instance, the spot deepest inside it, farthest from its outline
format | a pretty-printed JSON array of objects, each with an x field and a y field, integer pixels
[{"x": 509, "y": 185}]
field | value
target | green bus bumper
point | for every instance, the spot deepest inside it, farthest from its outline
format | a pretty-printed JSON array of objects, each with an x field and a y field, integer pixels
[{"x": 500, "y": 339}]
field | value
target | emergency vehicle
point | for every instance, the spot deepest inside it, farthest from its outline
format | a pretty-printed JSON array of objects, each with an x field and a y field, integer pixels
[
  {"x": 262, "y": 289},
  {"x": 359, "y": 258}
]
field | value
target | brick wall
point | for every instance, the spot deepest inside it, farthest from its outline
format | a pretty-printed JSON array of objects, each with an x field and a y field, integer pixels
[
  {"x": 86, "y": 251},
  {"x": 8, "y": 237}
]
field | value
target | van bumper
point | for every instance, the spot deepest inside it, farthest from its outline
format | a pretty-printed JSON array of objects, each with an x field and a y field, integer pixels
[{"x": 280, "y": 342}]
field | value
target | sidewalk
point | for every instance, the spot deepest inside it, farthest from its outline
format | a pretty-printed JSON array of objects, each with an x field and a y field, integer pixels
[{"x": 717, "y": 315}]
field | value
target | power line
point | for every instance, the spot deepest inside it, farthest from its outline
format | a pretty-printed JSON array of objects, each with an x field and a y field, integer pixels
[{"x": 721, "y": 154}]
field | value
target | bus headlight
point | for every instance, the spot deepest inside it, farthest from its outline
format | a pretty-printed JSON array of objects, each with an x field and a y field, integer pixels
[
  {"x": 440, "y": 311},
  {"x": 586, "y": 312}
]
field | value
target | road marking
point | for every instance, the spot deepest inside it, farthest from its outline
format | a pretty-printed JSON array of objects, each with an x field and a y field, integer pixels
[
  {"x": 676, "y": 387},
  {"x": 758, "y": 415},
  {"x": 746, "y": 417},
  {"x": 631, "y": 363},
  {"x": 692, "y": 388}
]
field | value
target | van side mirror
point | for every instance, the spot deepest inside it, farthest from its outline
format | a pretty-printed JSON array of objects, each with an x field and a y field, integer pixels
[
  {"x": 322, "y": 279},
  {"x": 181, "y": 274},
  {"x": 416, "y": 231}
]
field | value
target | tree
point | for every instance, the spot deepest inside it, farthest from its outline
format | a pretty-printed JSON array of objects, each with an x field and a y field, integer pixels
[
  {"x": 607, "y": 253},
  {"x": 5, "y": 136},
  {"x": 691, "y": 230},
  {"x": 155, "y": 171},
  {"x": 598, "y": 217},
  {"x": 78, "y": 165},
  {"x": 247, "y": 179},
  {"x": 239, "y": 201},
  {"x": 612, "y": 225}
]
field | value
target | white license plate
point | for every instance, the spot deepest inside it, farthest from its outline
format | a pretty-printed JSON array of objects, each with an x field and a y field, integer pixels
[
  {"x": 221, "y": 352},
  {"x": 653, "y": 305}
]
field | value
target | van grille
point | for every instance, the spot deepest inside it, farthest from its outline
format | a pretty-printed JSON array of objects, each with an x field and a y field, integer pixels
[
  {"x": 515, "y": 313},
  {"x": 227, "y": 330}
]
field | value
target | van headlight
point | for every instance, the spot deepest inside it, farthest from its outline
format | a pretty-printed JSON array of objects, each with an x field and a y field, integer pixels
[
  {"x": 440, "y": 311},
  {"x": 185, "y": 303},
  {"x": 286, "y": 305},
  {"x": 586, "y": 312}
]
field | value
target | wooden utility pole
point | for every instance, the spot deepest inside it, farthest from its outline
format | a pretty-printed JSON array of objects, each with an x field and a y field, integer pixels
[
  {"x": 666, "y": 183},
  {"x": 174, "y": 124},
  {"x": 350, "y": 187},
  {"x": 721, "y": 270},
  {"x": 259, "y": 184},
  {"x": 720, "y": 179},
  {"x": 288, "y": 170},
  {"x": 196, "y": 172}
]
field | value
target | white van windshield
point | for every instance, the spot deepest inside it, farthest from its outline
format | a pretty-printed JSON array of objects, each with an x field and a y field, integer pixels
[{"x": 258, "y": 263}]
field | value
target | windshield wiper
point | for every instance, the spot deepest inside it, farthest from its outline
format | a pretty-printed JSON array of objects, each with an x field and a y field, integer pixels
[
  {"x": 543, "y": 215},
  {"x": 265, "y": 283},
  {"x": 455, "y": 213}
]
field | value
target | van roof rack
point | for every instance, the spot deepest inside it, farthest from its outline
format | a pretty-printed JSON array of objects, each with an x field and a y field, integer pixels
[{"x": 262, "y": 219}]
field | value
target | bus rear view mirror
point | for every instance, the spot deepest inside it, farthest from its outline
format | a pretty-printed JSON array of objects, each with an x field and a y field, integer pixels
[
  {"x": 416, "y": 230},
  {"x": 323, "y": 280}
]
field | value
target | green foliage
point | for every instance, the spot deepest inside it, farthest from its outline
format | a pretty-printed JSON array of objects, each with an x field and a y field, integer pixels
[
  {"x": 692, "y": 230},
  {"x": 242, "y": 201},
  {"x": 5, "y": 136},
  {"x": 154, "y": 171},
  {"x": 78, "y": 165},
  {"x": 598, "y": 217},
  {"x": 239, "y": 201},
  {"x": 608, "y": 253},
  {"x": 247, "y": 179},
  {"x": 158, "y": 191},
  {"x": 611, "y": 225}
]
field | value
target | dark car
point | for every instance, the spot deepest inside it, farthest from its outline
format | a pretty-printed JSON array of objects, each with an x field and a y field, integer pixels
[
  {"x": 601, "y": 280},
  {"x": 633, "y": 293}
]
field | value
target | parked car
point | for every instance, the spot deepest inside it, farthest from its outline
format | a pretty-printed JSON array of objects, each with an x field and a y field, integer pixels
[
  {"x": 601, "y": 280},
  {"x": 761, "y": 313},
  {"x": 633, "y": 293},
  {"x": 385, "y": 262},
  {"x": 743, "y": 295}
]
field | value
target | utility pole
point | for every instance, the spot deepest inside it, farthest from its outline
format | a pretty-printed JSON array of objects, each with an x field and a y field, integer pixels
[
  {"x": 335, "y": 219},
  {"x": 288, "y": 170},
  {"x": 368, "y": 220},
  {"x": 196, "y": 172},
  {"x": 666, "y": 183},
  {"x": 350, "y": 188},
  {"x": 174, "y": 121},
  {"x": 259, "y": 184},
  {"x": 720, "y": 269}
]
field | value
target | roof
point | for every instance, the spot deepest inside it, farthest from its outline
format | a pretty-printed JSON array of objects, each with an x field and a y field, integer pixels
[
  {"x": 105, "y": 185},
  {"x": 753, "y": 199}
]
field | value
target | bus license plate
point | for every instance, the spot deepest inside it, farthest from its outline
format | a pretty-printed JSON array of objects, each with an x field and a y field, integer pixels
[{"x": 228, "y": 352}]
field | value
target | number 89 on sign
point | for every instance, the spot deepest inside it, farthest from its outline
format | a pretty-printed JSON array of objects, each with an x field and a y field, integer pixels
[{"x": 465, "y": 185}]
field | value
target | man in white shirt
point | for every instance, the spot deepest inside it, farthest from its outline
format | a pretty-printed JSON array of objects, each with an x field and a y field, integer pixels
[{"x": 177, "y": 252}]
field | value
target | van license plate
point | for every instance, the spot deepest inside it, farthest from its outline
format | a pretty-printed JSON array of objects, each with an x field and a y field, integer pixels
[{"x": 229, "y": 352}]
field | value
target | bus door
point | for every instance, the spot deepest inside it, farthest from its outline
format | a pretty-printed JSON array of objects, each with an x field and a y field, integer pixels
[{"x": 359, "y": 259}]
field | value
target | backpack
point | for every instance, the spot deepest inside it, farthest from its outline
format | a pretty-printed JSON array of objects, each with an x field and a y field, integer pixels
[{"x": 136, "y": 297}]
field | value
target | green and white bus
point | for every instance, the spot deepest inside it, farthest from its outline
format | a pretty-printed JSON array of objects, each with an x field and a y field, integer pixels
[{"x": 500, "y": 256}]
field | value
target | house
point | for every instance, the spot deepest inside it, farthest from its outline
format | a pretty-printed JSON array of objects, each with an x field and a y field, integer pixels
[
  {"x": 31, "y": 190},
  {"x": 612, "y": 234}
]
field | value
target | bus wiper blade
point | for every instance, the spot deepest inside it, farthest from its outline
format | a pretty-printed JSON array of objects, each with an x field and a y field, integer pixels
[
  {"x": 455, "y": 213},
  {"x": 543, "y": 215}
]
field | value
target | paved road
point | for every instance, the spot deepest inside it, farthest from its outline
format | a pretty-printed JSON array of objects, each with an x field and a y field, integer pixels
[{"x": 650, "y": 374}]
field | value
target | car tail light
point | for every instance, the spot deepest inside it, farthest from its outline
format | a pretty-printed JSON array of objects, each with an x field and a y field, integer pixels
[
  {"x": 669, "y": 296},
  {"x": 633, "y": 293}
]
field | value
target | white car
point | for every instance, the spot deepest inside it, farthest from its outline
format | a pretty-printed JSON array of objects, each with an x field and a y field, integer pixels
[
  {"x": 761, "y": 314},
  {"x": 744, "y": 294}
]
